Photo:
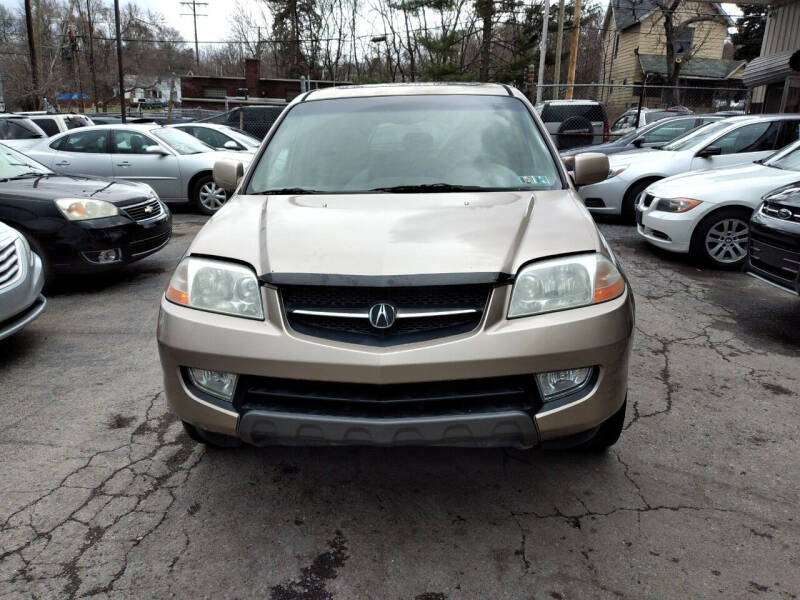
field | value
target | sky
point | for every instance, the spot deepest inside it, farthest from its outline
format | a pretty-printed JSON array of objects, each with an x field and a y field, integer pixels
[{"x": 215, "y": 26}]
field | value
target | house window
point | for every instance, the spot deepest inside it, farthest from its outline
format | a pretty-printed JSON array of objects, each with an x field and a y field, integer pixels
[
  {"x": 214, "y": 92},
  {"x": 616, "y": 46},
  {"x": 683, "y": 41}
]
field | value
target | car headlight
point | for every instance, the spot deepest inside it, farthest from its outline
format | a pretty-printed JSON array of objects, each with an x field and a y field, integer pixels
[
  {"x": 614, "y": 171},
  {"x": 216, "y": 286},
  {"x": 676, "y": 205},
  {"x": 83, "y": 209},
  {"x": 562, "y": 283},
  {"x": 27, "y": 248}
]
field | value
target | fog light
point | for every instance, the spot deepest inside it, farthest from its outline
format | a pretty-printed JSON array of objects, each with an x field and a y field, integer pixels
[
  {"x": 219, "y": 384},
  {"x": 556, "y": 384},
  {"x": 104, "y": 257}
]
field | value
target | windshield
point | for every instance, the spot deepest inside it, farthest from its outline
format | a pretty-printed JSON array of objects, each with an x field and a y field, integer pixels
[
  {"x": 788, "y": 158},
  {"x": 242, "y": 136},
  {"x": 629, "y": 137},
  {"x": 366, "y": 144},
  {"x": 697, "y": 136},
  {"x": 14, "y": 164},
  {"x": 180, "y": 141},
  {"x": 75, "y": 121},
  {"x": 20, "y": 129}
]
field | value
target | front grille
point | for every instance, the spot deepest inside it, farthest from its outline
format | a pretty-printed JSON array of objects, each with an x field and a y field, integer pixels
[
  {"x": 407, "y": 300},
  {"x": 647, "y": 200},
  {"x": 149, "y": 244},
  {"x": 144, "y": 211},
  {"x": 9, "y": 262},
  {"x": 779, "y": 211},
  {"x": 438, "y": 398},
  {"x": 777, "y": 264}
]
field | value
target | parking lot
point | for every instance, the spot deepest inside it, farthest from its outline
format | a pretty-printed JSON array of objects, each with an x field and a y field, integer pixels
[{"x": 102, "y": 494}]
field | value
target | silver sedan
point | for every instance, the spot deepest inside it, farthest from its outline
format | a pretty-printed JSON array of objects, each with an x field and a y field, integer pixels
[
  {"x": 21, "y": 281},
  {"x": 221, "y": 137},
  {"x": 175, "y": 164}
]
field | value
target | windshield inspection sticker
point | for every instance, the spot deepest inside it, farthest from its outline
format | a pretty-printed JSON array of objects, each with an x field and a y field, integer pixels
[{"x": 535, "y": 179}]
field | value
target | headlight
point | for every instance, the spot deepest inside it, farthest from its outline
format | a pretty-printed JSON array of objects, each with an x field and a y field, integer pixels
[
  {"x": 614, "y": 171},
  {"x": 676, "y": 205},
  {"x": 27, "y": 247},
  {"x": 563, "y": 283},
  {"x": 216, "y": 286},
  {"x": 83, "y": 209}
]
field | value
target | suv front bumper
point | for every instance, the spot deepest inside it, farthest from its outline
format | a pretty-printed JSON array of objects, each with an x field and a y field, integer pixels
[{"x": 598, "y": 335}]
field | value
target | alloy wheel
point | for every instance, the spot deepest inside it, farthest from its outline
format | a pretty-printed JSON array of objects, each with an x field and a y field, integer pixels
[
  {"x": 212, "y": 196},
  {"x": 726, "y": 241}
]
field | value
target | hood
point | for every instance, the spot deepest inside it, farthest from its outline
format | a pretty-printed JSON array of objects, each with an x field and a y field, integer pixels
[
  {"x": 746, "y": 182},
  {"x": 603, "y": 148},
  {"x": 398, "y": 234},
  {"x": 50, "y": 187}
]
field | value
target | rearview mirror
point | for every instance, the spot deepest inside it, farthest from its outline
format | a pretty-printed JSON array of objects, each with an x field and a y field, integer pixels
[
  {"x": 155, "y": 149},
  {"x": 589, "y": 168},
  {"x": 228, "y": 173},
  {"x": 231, "y": 145},
  {"x": 638, "y": 142},
  {"x": 709, "y": 151}
]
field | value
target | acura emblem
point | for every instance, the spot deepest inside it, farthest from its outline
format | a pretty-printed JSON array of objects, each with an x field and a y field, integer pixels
[
  {"x": 784, "y": 213},
  {"x": 382, "y": 315}
]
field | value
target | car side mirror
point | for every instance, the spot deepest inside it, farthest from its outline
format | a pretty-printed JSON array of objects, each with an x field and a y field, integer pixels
[
  {"x": 589, "y": 168},
  {"x": 155, "y": 149},
  {"x": 228, "y": 173},
  {"x": 638, "y": 142},
  {"x": 709, "y": 151},
  {"x": 230, "y": 145}
]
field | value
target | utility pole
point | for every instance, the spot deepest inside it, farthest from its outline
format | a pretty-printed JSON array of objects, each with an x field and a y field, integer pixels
[
  {"x": 119, "y": 63},
  {"x": 193, "y": 4},
  {"x": 32, "y": 50},
  {"x": 542, "y": 49},
  {"x": 73, "y": 50},
  {"x": 91, "y": 54},
  {"x": 559, "y": 41},
  {"x": 573, "y": 49}
]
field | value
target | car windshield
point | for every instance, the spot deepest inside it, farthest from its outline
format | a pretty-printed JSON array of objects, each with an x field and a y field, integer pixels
[
  {"x": 629, "y": 137},
  {"x": 242, "y": 136},
  {"x": 180, "y": 141},
  {"x": 697, "y": 136},
  {"x": 406, "y": 143},
  {"x": 788, "y": 158},
  {"x": 15, "y": 164},
  {"x": 75, "y": 121}
]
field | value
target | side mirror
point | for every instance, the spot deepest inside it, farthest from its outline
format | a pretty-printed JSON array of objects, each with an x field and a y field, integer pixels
[
  {"x": 231, "y": 145},
  {"x": 589, "y": 168},
  {"x": 638, "y": 142},
  {"x": 155, "y": 149},
  {"x": 228, "y": 173},
  {"x": 709, "y": 151}
]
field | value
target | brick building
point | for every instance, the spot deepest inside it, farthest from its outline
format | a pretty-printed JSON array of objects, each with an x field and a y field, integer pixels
[{"x": 219, "y": 93}]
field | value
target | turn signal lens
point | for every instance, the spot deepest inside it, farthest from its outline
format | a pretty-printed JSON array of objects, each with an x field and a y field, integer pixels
[
  {"x": 608, "y": 282},
  {"x": 178, "y": 289}
]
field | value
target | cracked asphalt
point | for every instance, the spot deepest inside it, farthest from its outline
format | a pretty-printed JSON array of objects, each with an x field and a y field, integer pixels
[{"x": 103, "y": 496}]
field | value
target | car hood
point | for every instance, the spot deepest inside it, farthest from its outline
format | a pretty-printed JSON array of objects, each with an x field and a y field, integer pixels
[
  {"x": 49, "y": 187},
  {"x": 742, "y": 182},
  {"x": 398, "y": 234}
]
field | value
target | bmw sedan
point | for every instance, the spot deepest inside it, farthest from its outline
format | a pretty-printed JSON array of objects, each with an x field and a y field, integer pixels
[
  {"x": 79, "y": 224},
  {"x": 175, "y": 164},
  {"x": 439, "y": 283},
  {"x": 732, "y": 141},
  {"x": 707, "y": 212}
]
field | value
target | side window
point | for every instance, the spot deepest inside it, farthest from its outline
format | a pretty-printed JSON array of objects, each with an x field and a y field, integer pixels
[
  {"x": 212, "y": 137},
  {"x": 756, "y": 137},
  {"x": 668, "y": 131},
  {"x": 130, "y": 142},
  {"x": 85, "y": 141},
  {"x": 624, "y": 122},
  {"x": 791, "y": 132},
  {"x": 49, "y": 125}
]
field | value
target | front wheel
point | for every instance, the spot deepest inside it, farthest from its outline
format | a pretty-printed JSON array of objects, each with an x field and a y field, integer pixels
[
  {"x": 722, "y": 239},
  {"x": 628, "y": 208},
  {"x": 208, "y": 196}
]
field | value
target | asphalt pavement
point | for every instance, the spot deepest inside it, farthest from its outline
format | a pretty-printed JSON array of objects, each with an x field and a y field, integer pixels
[{"x": 102, "y": 495}]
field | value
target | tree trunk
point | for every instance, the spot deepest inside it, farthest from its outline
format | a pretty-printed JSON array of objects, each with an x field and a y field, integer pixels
[
  {"x": 673, "y": 68},
  {"x": 485, "y": 9}
]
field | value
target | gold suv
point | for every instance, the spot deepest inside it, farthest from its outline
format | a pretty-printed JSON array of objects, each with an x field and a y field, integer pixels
[{"x": 401, "y": 265}]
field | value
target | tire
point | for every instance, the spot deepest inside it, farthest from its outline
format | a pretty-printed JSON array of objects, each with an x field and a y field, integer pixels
[
  {"x": 609, "y": 431},
  {"x": 208, "y": 196},
  {"x": 582, "y": 133},
  {"x": 721, "y": 239},
  {"x": 628, "y": 209},
  {"x": 209, "y": 438}
]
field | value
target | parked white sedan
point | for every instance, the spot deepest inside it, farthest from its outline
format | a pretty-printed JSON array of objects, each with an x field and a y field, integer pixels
[
  {"x": 732, "y": 141},
  {"x": 175, "y": 164},
  {"x": 707, "y": 213}
]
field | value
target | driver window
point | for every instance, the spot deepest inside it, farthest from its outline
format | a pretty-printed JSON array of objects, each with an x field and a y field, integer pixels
[
  {"x": 130, "y": 142},
  {"x": 756, "y": 137},
  {"x": 213, "y": 138}
]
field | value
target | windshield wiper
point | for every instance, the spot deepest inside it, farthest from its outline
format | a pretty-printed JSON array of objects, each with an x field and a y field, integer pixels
[
  {"x": 27, "y": 174},
  {"x": 286, "y": 191},
  {"x": 431, "y": 187}
]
